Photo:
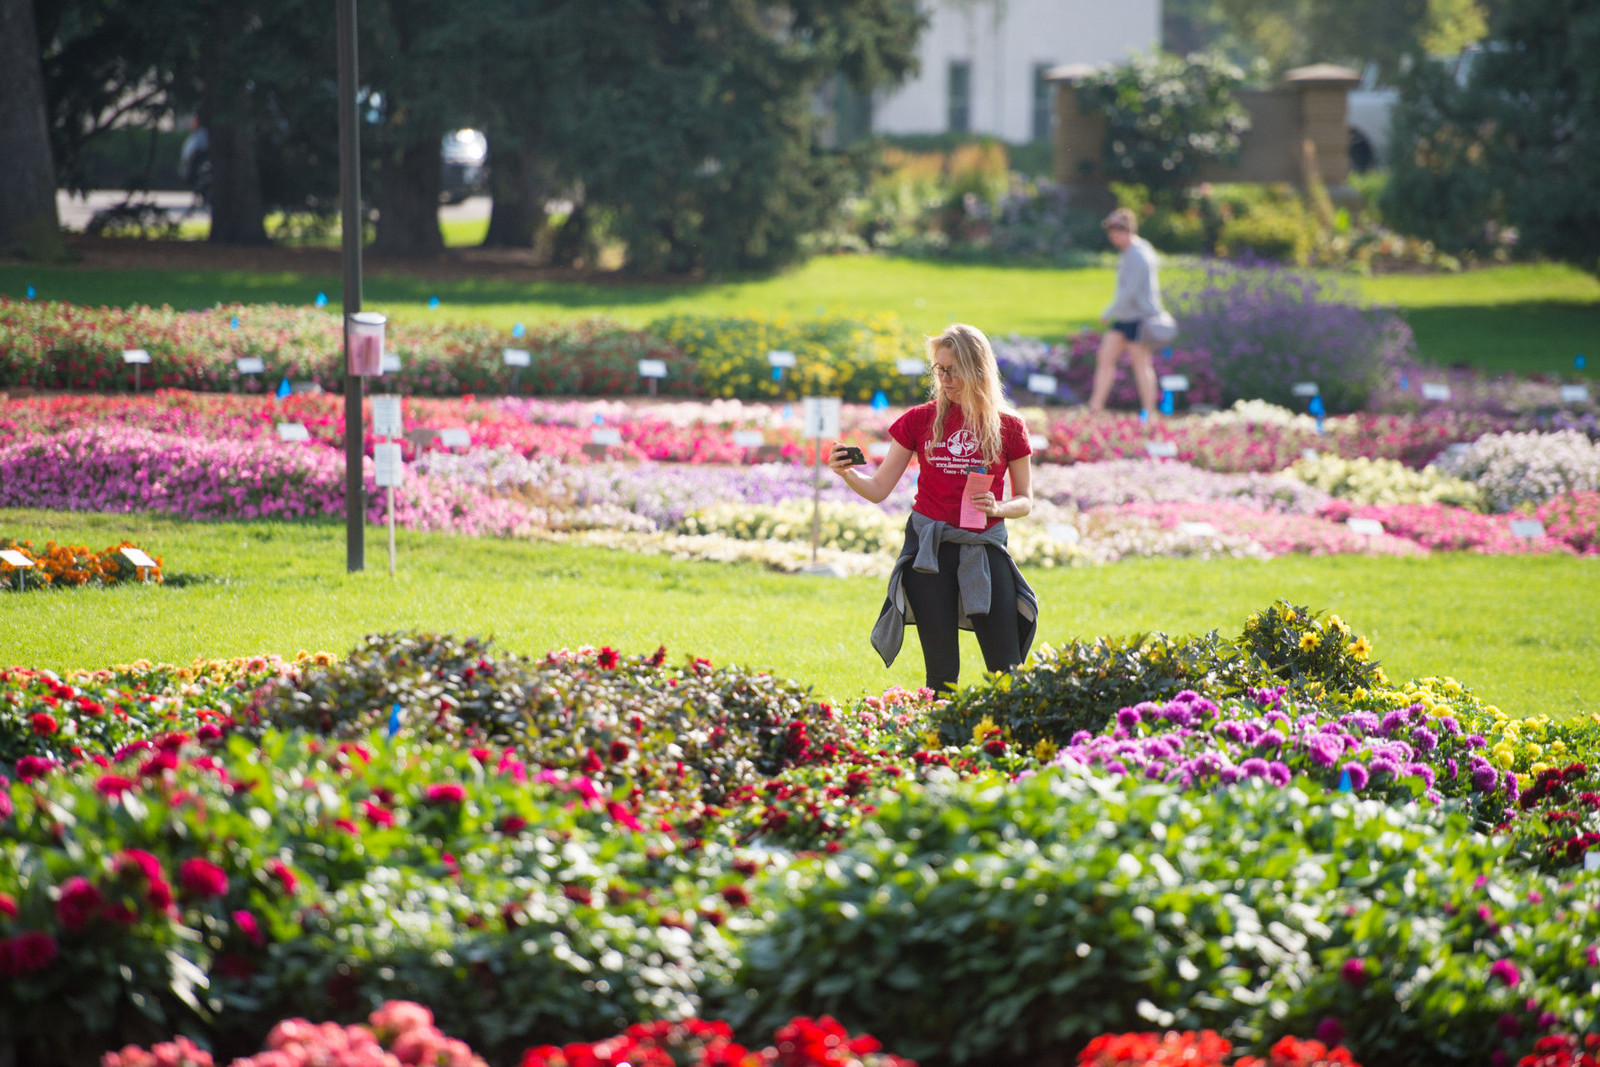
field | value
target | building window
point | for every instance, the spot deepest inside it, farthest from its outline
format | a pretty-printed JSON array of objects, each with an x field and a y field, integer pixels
[
  {"x": 959, "y": 96},
  {"x": 1044, "y": 101}
]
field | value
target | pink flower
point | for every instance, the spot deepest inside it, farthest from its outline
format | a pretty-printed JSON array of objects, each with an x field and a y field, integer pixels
[
  {"x": 112, "y": 786},
  {"x": 26, "y": 953},
  {"x": 246, "y": 924},
  {"x": 1506, "y": 971},
  {"x": 1354, "y": 972},
  {"x": 446, "y": 793}
]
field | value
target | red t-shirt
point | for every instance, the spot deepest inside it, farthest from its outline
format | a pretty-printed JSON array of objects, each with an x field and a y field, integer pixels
[{"x": 943, "y": 465}]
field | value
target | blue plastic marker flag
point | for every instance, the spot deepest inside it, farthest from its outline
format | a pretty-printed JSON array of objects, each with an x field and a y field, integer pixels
[
  {"x": 1144, "y": 416},
  {"x": 599, "y": 419},
  {"x": 321, "y": 301},
  {"x": 777, "y": 374},
  {"x": 1166, "y": 353},
  {"x": 233, "y": 324},
  {"x": 1316, "y": 407},
  {"x": 879, "y": 401},
  {"x": 788, "y": 412},
  {"x": 394, "y": 720},
  {"x": 284, "y": 389},
  {"x": 518, "y": 330},
  {"x": 1344, "y": 783},
  {"x": 32, "y": 292},
  {"x": 1319, "y": 424},
  {"x": 433, "y": 301},
  {"x": 1405, "y": 383},
  {"x": 1577, "y": 360},
  {"x": 1166, "y": 401}
]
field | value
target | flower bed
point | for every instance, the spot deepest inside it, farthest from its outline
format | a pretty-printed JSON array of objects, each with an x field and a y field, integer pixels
[
  {"x": 638, "y": 836},
  {"x": 61, "y": 566}
]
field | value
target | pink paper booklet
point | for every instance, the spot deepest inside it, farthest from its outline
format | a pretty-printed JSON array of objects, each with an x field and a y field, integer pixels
[{"x": 971, "y": 517}]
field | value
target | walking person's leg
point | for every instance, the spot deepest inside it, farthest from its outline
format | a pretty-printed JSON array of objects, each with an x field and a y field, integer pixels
[
  {"x": 935, "y": 601},
  {"x": 1105, "y": 368},
  {"x": 997, "y": 629},
  {"x": 1144, "y": 374}
]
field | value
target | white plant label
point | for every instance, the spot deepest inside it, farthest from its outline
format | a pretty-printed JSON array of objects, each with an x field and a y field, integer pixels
[
  {"x": 455, "y": 437},
  {"x": 1160, "y": 449},
  {"x": 1529, "y": 528},
  {"x": 386, "y": 420},
  {"x": 15, "y": 558},
  {"x": 137, "y": 557},
  {"x": 1197, "y": 529},
  {"x": 251, "y": 365},
  {"x": 1063, "y": 532},
  {"x": 749, "y": 438},
  {"x": 781, "y": 358},
  {"x": 1305, "y": 389},
  {"x": 391, "y": 363},
  {"x": 1175, "y": 383},
  {"x": 1575, "y": 394},
  {"x": 1365, "y": 527},
  {"x": 821, "y": 415},
  {"x": 293, "y": 432},
  {"x": 135, "y": 355},
  {"x": 652, "y": 368},
  {"x": 911, "y": 368},
  {"x": 517, "y": 357},
  {"x": 389, "y": 467},
  {"x": 1041, "y": 383},
  {"x": 1038, "y": 442},
  {"x": 1309, "y": 454},
  {"x": 1435, "y": 391},
  {"x": 605, "y": 436}
]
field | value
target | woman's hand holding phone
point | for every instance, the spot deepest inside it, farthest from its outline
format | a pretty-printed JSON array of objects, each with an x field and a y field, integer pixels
[{"x": 842, "y": 457}]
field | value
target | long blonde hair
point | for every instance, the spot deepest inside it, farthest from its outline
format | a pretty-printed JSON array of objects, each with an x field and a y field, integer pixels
[{"x": 982, "y": 399}]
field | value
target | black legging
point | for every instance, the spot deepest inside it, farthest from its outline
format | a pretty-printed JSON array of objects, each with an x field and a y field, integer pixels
[{"x": 935, "y": 601}]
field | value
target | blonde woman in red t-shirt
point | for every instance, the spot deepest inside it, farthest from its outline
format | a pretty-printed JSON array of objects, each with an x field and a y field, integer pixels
[{"x": 952, "y": 574}]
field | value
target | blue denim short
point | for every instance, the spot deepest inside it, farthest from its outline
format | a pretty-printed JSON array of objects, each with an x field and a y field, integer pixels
[{"x": 1128, "y": 328}]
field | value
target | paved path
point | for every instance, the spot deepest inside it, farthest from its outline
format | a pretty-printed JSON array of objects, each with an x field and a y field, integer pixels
[{"x": 75, "y": 212}]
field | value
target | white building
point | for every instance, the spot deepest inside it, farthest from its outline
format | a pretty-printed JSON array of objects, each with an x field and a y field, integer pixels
[{"x": 983, "y": 62}]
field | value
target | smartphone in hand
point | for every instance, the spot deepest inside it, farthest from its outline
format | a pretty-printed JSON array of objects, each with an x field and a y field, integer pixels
[{"x": 852, "y": 454}]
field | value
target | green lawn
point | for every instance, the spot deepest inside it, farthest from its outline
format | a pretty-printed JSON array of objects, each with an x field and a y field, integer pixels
[
  {"x": 1524, "y": 317},
  {"x": 1510, "y": 627}
]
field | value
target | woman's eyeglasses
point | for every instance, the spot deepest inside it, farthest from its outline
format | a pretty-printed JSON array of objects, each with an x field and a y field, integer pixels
[{"x": 947, "y": 373}]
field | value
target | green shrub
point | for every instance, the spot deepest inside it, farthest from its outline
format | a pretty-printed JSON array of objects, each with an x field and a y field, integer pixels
[
  {"x": 1280, "y": 233},
  {"x": 1008, "y": 923},
  {"x": 627, "y": 719},
  {"x": 1310, "y": 651}
]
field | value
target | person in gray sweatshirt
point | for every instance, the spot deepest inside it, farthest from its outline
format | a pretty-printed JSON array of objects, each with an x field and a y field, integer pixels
[{"x": 1138, "y": 297}]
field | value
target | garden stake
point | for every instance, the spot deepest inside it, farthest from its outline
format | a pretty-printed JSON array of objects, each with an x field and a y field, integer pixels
[{"x": 391, "y": 531}]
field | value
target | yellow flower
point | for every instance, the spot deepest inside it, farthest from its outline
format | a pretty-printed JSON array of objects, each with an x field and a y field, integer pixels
[
  {"x": 1336, "y": 624},
  {"x": 1558, "y": 748},
  {"x": 1309, "y": 640},
  {"x": 1045, "y": 750},
  {"x": 1535, "y": 751},
  {"x": 985, "y": 727},
  {"x": 1503, "y": 755},
  {"x": 1539, "y": 768},
  {"x": 1358, "y": 694},
  {"x": 930, "y": 738},
  {"x": 1360, "y": 648}
]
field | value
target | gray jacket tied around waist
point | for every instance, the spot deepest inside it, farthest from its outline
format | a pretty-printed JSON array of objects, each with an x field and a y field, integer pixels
[{"x": 921, "y": 552}]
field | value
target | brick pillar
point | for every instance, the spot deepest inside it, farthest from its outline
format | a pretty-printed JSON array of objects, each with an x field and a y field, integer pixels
[
  {"x": 1079, "y": 138},
  {"x": 1324, "y": 123}
]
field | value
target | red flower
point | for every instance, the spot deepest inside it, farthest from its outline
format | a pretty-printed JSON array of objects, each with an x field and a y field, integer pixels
[
  {"x": 446, "y": 793},
  {"x": 202, "y": 878},
  {"x": 43, "y": 723},
  {"x": 607, "y": 659},
  {"x": 1354, "y": 972},
  {"x": 26, "y": 953},
  {"x": 30, "y": 768},
  {"x": 286, "y": 877},
  {"x": 736, "y": 895},
  {"x": 513, "y": 824},
  {"x": 377, "y": 814},
  {"x": 592, "y": 763},
  {"x": 78, "y": 904},
  {"x": 8, "y": 905},
  {"x": 619, "y": 751},
  {"x": 112, "y": 786}
]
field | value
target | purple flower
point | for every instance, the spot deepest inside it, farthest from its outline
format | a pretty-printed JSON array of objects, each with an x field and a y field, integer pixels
[
  {"x": 1270, "y": 739},
  {"x": 1228, "y": 775},
  {"x": 1279, "y": 774},
  {"x": 1513, "y": 791},
  {"x": 1128, "y": 718},
  {"x": 1418, "y": 770},
  {"x": 1325, "y": 750},
  {"x": 1449, "y": 725},
  {"x": 1425, "y": 739},
  {"x": 1384, "y": 765},
  {"x": 1476, "y": 741},
  {"x": 1255, "y": 767},
  {"x": 1330, "y": 1031},
  {"x": 1393, "y": 721},
  {"x": 1450, "y": 765},
  {"x": 1082, "y": 737},
  {"x": 1358, "y": 774}
]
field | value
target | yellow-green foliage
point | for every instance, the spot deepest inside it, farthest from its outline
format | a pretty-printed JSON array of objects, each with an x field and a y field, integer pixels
[{"x": 835, "y": 355}]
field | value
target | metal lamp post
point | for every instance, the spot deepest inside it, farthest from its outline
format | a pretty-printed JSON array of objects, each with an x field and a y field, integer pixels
[{"x": 355, "y": 509}]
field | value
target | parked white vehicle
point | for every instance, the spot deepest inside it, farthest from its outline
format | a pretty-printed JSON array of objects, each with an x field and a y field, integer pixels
[{"x": 1370, "y": 108}]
